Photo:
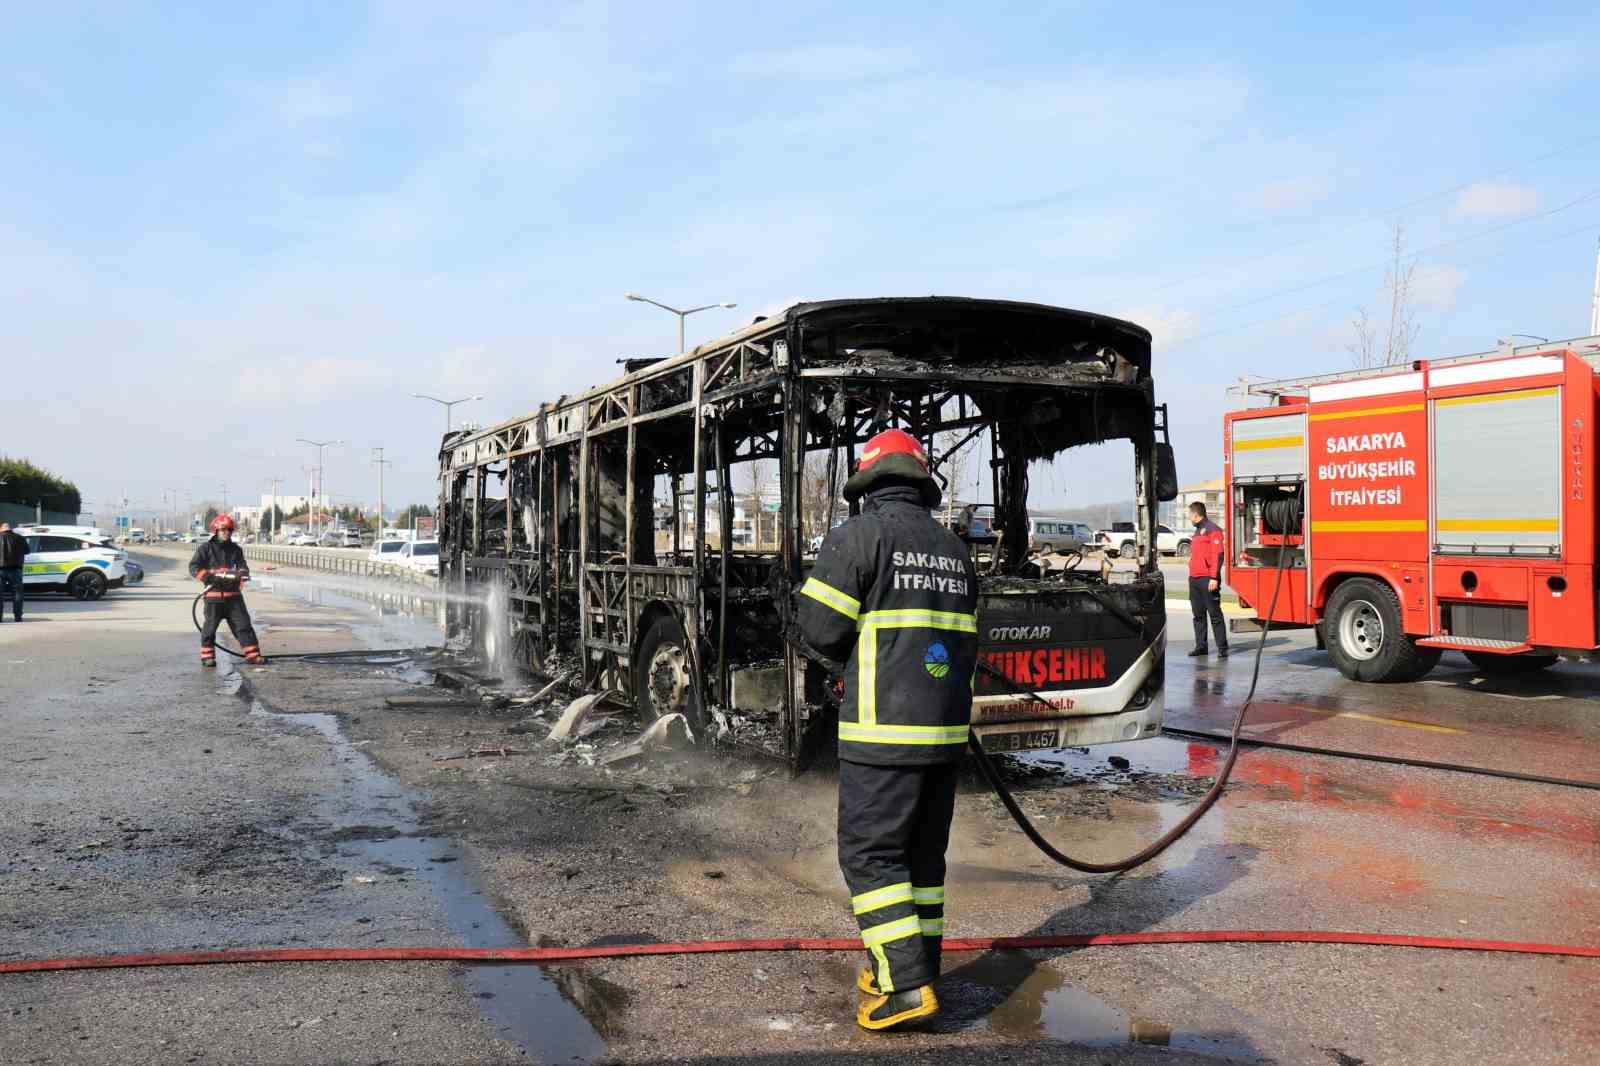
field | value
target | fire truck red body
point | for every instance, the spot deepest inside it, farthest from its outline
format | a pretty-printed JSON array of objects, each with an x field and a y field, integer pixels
[{"x": 1405, "y": 511}]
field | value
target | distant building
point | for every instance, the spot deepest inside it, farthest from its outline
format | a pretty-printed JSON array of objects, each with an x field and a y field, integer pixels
[
  {"x": 287, "y": 504},
  {"x": 1211, "y": 493}
]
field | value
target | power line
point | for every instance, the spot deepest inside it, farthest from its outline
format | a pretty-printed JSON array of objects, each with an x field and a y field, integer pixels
[
  {"x": 1303, "y": 286},
  {"x": 1223, "y": 331},
  {"x": 1377, "y": 216}
]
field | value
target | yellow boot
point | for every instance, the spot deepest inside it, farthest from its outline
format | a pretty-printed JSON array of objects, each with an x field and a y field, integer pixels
[{"x": 882, "y": 1011}]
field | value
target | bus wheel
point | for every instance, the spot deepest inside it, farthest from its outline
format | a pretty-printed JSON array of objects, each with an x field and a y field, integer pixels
[
  {"x": 1491, "y": 663},
  {"x": 663, "y": 679},
  {"x": 1365, "y": 636}
]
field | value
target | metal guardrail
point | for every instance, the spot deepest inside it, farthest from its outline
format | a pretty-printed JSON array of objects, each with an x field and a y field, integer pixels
[
  {"x": 335, "y": 561},
  {"x": 329, "y": 560}
]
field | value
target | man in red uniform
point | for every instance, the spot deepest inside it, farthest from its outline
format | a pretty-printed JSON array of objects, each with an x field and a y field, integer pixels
[
  {"x": 1205, "y": 581},
  {"x": 220, "y": 563},
  {"x": 894, "y": 595}
]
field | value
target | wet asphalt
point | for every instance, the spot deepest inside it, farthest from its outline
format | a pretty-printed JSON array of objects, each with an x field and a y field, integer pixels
[{"x": 161, "y": 808}]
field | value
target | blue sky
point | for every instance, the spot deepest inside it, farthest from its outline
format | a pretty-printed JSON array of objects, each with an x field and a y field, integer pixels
[{"x": 223, "y": 228}]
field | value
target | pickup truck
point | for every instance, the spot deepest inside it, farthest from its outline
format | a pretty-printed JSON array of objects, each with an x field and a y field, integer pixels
[{"x": 1122, "y": 539}]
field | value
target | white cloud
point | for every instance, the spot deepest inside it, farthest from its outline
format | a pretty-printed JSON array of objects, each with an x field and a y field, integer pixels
[
  {"x": 1167, "y": 325},
  {"x": 1286, "y": 195},
  {"x": 1497, "y": 198},
  {"x": 275, "y": 382},
  {"x": 1437, "y": 286}
]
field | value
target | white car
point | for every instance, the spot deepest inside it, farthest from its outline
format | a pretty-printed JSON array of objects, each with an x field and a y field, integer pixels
[
  {"x": 301, "y": 540},
  {"x": 386, "y": 551},
  {"x": 80, "y": 560},
  {"x": 421, "y": 556}
]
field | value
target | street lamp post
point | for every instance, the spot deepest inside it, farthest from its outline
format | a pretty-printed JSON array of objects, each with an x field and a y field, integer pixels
[
  {"x": 322, "y": 490},
  {"x": 446, "y": 404},
  {"x": 682, "y": 313}
]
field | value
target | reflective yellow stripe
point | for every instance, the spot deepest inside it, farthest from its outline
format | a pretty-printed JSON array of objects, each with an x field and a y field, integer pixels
[
  {"x": 932, "y": 926},
  {"x": 1396, "y": 525},
  {"x": 918, "y": 618},
  {"x": 866, "y": 678},
  {"x": 880, "y": 898},
  {"x": 1491, "y": 397},
  {"x": 903, "y": 734},
  {"x": 829, "y": 596},
  {"x": 885, "y": 980},
  {"x": 1499, "y": 525},
  {"x": 928, "y": 896},
  {"x": 1398, "y": 409},
  {"x": 1266, "y": 443},
  {"x": 899, "y": 929}
]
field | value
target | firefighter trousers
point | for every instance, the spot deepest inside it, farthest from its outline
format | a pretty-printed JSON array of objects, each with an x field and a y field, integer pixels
[
  {"x": 894, "y": 825},
  {"x": 232, "y": 610}
]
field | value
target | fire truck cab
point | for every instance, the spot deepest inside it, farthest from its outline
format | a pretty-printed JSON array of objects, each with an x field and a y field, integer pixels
[{"x": 1408, "y": 510}]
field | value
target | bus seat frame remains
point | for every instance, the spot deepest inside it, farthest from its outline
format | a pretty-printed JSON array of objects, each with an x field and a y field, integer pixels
[
  {"x": 596, "y": 536},
  {"x": 1441, "y": 505}
]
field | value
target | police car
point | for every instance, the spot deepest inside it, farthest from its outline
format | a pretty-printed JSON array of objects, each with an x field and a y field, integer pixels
[{"x": 76, "y": 559}]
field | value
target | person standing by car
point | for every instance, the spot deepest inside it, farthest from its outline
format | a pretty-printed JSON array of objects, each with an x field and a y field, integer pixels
[
  {"x": 13, "y": 550},
  {"x": 896, "y": 595},
  {"x": 221, "y": 565},
  {"x": 1205, "y": 581}
]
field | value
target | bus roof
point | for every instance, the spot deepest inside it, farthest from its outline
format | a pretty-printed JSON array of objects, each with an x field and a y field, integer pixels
[{"x": 862, "y": 315}]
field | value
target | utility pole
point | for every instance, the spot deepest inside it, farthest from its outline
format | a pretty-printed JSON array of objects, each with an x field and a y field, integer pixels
[
  {"x": 1594, "y": 306},
  {"x": 275, "y": 481},
  {"x": 380, "y": 462}
]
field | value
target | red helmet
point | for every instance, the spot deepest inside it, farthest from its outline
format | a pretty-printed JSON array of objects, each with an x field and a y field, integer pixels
[
  {"x": 893, "y": 454},
  {"x": 221, "y": 522},
  {"x": 893, "y": 442}
]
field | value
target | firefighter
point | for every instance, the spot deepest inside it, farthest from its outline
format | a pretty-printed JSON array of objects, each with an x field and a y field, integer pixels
[
  {"x": 894, "y": 595},
  {"x": 1205, "y": 581},
  {"x": 221, "y": 565}
]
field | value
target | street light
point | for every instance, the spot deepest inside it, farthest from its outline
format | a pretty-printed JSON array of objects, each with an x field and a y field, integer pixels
[
  {"x": 682, "y": 314},
  {"x": 446, "y": 404},
  {"x": 319, "y": 445}
]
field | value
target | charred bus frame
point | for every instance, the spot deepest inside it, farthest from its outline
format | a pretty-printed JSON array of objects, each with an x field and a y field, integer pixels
[{"x": 548, "y": 522}]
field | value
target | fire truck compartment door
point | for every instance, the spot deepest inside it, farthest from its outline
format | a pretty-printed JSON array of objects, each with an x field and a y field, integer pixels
[
  {"x": 1270, "y": 448},
  {"x": 1497, "y": 473}
]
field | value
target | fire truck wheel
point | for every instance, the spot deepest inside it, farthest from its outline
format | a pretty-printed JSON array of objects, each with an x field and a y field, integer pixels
[
  {"x": 1491, "y": 663},
  {"x": 662, "y": 675},
  {"x": 1365, "y": 636}
]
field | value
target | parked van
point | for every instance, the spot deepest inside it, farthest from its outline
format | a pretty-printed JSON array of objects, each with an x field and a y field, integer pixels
[{"x": 1058, "y": 535}]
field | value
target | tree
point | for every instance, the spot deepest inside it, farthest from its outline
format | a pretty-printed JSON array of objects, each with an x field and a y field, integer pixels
[
  {"x": 817, "y": 494},
  {"x": 956, "y": 464},
  {"x": 758, "y": 484},
  {"x": 405, "y": 518},
  {"x": 1395, "y": 345},
  {"x": 22, "y": 482}
]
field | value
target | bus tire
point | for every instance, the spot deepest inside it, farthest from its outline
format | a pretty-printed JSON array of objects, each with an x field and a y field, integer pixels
[
  {"x": 1365, "y": 636},
  {"x": 663, "y": 675},
  {"x": 1504, "y": 665}
]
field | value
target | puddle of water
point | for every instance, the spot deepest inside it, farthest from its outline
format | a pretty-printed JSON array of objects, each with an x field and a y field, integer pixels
[
  {"x": 1161, "y": 755},
  {"x": 1036, "y": 1003},
  {"x": 395, "y": 617},
  {"x": 375, "y": 818}
]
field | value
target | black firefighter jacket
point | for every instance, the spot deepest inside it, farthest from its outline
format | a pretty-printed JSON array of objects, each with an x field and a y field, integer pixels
[
  {"x": 895, "y": 595},
  {"x": 217, "y": 555}
]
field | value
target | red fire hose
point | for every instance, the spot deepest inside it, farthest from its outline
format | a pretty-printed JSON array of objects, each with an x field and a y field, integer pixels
[{"x": 709, "y": 947}]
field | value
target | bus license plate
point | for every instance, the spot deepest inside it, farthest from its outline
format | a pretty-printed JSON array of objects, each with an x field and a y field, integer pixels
[{"x": 1025, "y": 741}]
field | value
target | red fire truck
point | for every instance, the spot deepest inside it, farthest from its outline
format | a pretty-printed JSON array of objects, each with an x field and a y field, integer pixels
[{"x": 1448, "y": 504}]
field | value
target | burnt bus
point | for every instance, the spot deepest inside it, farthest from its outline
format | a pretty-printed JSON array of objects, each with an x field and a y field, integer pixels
[{"x": 649, "y": 535}]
